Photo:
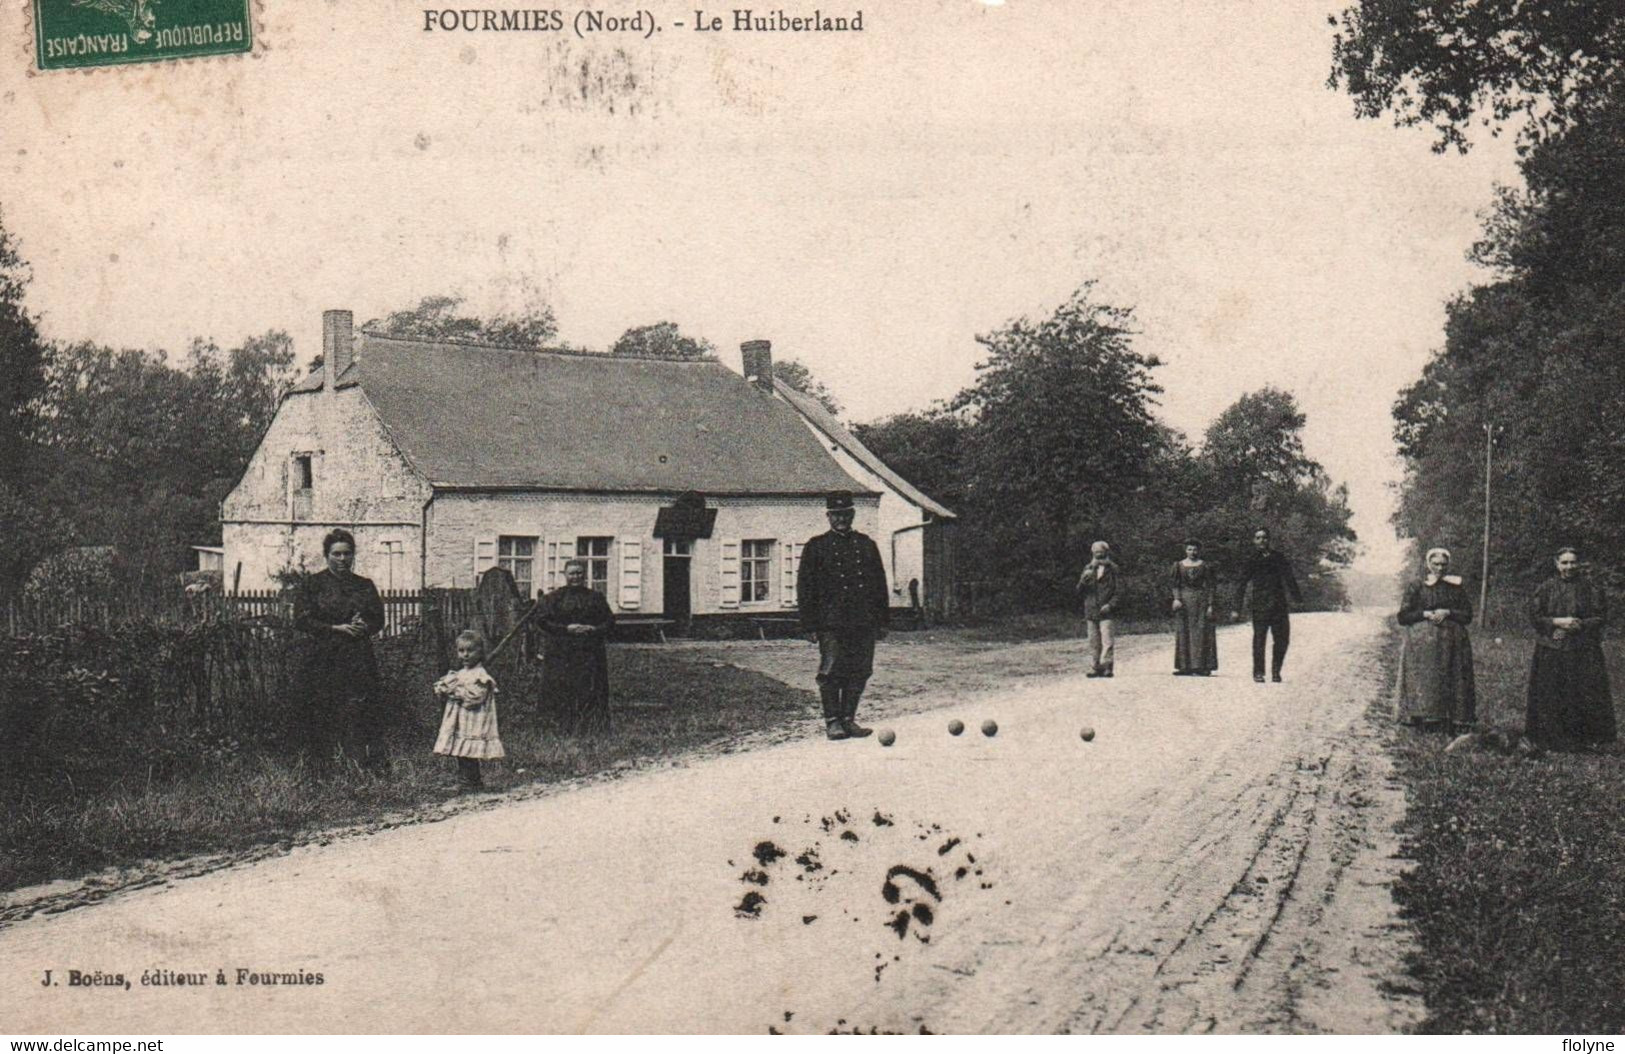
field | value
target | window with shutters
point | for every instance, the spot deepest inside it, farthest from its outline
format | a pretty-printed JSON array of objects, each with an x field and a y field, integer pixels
[
  {"x": 755, "y": 570},
  {"x": 517, "y": 555},
  {"x": 595, "y": 551}
]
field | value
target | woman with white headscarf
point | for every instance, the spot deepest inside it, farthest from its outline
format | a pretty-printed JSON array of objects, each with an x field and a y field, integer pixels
[{"x": 1436, "y": 663}]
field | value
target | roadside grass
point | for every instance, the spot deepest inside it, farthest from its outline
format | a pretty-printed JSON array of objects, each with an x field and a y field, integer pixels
[
  {"x": 663, "y": 705},
  {"x": 1518, "y": 890}
]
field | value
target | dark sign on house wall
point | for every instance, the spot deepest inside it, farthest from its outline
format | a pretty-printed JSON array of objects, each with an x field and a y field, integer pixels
[{"x": 685, "y": 518}]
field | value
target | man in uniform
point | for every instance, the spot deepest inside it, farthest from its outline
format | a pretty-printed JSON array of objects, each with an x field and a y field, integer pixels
[
  {"x": 1270, "y": 575},
  {"x": 841, "y": 589}
]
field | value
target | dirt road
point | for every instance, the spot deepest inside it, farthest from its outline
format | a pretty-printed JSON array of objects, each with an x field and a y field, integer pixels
[{"x": 1215, "y": 860}]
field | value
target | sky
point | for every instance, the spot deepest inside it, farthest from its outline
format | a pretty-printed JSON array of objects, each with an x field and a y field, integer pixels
[{"x": 869, "y": 202}]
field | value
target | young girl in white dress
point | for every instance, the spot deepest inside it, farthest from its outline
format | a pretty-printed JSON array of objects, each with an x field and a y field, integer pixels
[{"x": 468, "y": 731}]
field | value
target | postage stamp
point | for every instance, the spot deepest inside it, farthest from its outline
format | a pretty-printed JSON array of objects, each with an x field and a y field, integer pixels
[{"x": 78, "y": 34}]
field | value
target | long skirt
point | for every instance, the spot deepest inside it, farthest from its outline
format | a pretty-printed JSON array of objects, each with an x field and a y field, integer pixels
[
  {"x": 1196, "y": 641},
  {"x": 1436, "y": 676},
  {"x": 1569, "y": 698},
  {"x": 575, "y": 683}
]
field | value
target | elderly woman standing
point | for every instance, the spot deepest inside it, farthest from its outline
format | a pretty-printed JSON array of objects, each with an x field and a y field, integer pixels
[
  {"x": 1097, "y": 586},
  {"x": 1196, "y": 641},
  {"x": 575, "y": 661},
  {"x": 337, "y": 682},
  {"x": 1436, "y": 663},
  {"x": 1569, "y": 699}
]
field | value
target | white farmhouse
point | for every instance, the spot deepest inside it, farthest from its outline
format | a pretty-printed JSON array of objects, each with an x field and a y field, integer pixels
[{"x": 688, "y": 488}]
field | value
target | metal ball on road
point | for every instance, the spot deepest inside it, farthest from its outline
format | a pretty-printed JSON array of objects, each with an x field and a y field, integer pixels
[
  {"x": 1087, "y": 733},
  {"x": 990, "y": 727},
  {"x": 887, "y": 737},
  {"x": 955, "y": 727}
]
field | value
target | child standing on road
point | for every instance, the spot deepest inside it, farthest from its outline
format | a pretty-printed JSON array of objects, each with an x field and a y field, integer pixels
[{"x": 468, "y": 731}]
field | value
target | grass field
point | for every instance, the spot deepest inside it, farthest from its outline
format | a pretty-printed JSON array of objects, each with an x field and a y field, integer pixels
[{"x": 1518, "y": 891}]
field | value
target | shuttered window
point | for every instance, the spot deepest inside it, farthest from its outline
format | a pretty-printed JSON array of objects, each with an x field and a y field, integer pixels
[
  {"x": 596, "y": 552},
  {"x": 755, "y": 570},
  {"x": 631, "y": 593},
  {"x": 792, "y": 564},
  {"x": 728, "y": 562}
]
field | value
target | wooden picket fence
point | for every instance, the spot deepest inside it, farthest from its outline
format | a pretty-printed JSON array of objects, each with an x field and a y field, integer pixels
[{"x": 403, "y": 609}]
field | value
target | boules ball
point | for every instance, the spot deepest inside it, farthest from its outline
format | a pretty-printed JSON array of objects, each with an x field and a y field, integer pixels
[
  {"x": 1087, "y": 733},
  {"x": 887, "y": 737},
  {"x": 955, "y": 727},
  {"x": 990, "y": 727}
]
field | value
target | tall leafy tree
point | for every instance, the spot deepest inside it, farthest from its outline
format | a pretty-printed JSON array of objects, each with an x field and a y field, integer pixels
[
  {"x": 25, "y": 520},
  {"x": 1061, "y": 413},
  {"x": 795, "y": 374},
  {"x": 927, "y": 449},
  {"x": 662, "y": 340},
  {"x": 1449, "y": 63},
  {"x": 149, "y": 449},
  {"x": 442, "y": 317}
]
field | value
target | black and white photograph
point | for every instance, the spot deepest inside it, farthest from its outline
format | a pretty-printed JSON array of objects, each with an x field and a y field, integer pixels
[{"x": 940, "y": 517}]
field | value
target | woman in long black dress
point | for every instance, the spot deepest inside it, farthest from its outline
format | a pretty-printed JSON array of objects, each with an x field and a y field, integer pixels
[
  {"x": 575, "y": 662},
  {"x": 338, "y": 679},
  {"x": 1196, "y": 642},
  {"x": 1569, "y": 700},
  {"x": 1436, "y": 687}
]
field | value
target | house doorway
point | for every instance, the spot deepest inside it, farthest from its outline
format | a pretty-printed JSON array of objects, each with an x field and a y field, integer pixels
[{"x": 676, "y": 585}]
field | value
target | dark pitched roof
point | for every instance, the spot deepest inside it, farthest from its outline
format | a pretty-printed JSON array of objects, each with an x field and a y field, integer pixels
[
  {"x": 472, "y": 415},
  {"x": 831, "y": 426}
]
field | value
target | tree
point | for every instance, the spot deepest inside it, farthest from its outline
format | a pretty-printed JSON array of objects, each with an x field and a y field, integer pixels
[
  {"x": 662, "y": 340},
  {"x": 1252, "y": 471},
  {"x": 146, "y": 451},
  {"x": 22, "y": 380},
  {"x": 799, "y": 377},
  {"x": 1442, "y": 64},
  {"x": 438, "y": 318},
  {"x": 927, "y": 449},
  {"x": 1062, "y": 431}
]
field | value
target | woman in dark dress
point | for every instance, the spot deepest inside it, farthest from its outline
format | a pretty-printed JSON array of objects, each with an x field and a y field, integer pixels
[
  {"x": 575, "y": 662},
  {"x": 338, "y": 679},
  {"x": 1569, "y": 700},
  {"x": 1196, "y": 642},
  {"x": 1436, "y": 688}
]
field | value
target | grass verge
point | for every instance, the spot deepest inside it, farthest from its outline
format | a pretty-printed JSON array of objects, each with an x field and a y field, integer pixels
[
  {"x": 663, "y": 707},
  {"x": 1518, "y": 890}
]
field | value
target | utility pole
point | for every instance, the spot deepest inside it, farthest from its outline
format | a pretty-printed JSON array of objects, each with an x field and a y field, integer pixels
[{"x": 1484, "y": 577}]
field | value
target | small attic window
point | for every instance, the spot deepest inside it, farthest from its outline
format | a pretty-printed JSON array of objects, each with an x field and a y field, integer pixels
[{"x": 301, "y": 472}]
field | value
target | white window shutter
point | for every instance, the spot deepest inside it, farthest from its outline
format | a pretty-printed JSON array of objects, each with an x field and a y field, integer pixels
[
  {"x": 730, "y": 573},
  {"x": 792, "y": 564},
  {"x": 485, "y": 555},
  {"x": 631, "y": 574},
  {"x": 550, "y": 571}
]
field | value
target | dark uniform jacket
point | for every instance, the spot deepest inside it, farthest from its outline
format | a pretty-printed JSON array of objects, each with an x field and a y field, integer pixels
[
  {"x": 841, "y": 583},
  {"x": 1270, "y": 575}
]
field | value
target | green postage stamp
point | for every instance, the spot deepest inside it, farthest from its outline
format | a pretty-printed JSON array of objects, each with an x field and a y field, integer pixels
[{"x": 76, "y": 34}]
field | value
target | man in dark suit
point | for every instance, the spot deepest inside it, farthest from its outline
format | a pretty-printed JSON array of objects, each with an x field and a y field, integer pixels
[
  {"x": 1270, "y": 575},
  {"x": 841, "y": 590}
]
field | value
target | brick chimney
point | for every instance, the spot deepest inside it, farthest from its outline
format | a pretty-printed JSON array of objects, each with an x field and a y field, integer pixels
[
  {"x": 758, "y": 359},
  {"x": 338, "y": 345}
]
